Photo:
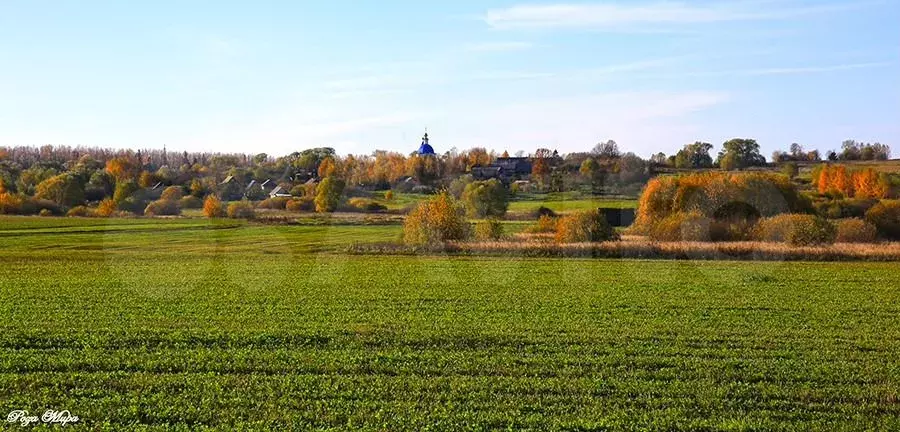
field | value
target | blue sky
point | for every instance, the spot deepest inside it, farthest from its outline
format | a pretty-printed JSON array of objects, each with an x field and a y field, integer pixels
[{"x": 278, "y": 77}]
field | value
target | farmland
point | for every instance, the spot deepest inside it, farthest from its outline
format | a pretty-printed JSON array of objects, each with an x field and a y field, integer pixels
[{"x": 164, "y": 324}]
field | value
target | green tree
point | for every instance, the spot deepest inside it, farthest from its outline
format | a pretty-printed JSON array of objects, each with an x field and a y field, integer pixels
[
  {"x": 328, "y": 194},
  {"x": 486, "y": 198},
  {"x": 63, "y": 189},
  {"x": 740, "y": 153},
  {"x": 694, "y": 155}
]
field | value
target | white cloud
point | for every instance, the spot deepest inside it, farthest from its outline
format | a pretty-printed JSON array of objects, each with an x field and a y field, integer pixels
[{"x": 614, "y": 16}]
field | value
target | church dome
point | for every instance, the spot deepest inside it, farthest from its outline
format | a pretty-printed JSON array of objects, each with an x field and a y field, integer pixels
[{"x": 425, "y": 148}]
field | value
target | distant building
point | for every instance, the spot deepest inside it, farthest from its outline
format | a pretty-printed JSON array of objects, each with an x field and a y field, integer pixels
[
  {"x": 425, "y": 149},
  {"x": 278, "y": 192},
  {"x": 505, "y": 169}
]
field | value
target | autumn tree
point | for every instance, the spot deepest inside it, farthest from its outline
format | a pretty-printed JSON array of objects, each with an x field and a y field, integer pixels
[
  {"x": 327, "y": 167},
  {"x": 213, "y": 208},
  {"x": 63, "y": 189},
  {"x": 328, "y": 194},
  {"x": 121, "y": 168}
]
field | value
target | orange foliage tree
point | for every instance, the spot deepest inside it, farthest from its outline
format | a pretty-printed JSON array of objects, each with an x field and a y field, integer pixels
[
  {"x": 868, "y": 184},
  {"x": 824, "y": 179},
  {"x": 121, "y": 168},
  {"x": 840, "y": 181}
]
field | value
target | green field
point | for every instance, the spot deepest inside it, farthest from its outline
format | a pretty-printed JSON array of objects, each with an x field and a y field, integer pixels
[
  {"x": 526, "y": 202},
  {"x": 185, "y": 324}
]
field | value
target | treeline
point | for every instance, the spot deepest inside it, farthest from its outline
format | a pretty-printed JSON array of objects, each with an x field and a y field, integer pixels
[
  {"x": 741, "y": 153},
  {"x": 34, "y": 179}
]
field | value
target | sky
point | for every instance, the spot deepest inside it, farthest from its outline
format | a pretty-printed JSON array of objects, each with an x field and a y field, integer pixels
[{"x": 361, "y": 75}]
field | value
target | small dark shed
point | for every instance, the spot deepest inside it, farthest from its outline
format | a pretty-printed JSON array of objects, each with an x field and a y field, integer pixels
[{"x": 618, "y": 217}]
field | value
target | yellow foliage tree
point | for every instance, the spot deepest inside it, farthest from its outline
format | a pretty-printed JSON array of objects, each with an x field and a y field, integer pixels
[{"x": 866, "y": 184}]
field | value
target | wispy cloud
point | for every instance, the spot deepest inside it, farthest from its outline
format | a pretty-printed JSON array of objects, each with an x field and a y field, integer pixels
[
  {"x": 814, "y": 69},
  {"x": 800, "y": 70},
  {"x": 613, "y": 16},
  {"x": 498, "y": 46}
]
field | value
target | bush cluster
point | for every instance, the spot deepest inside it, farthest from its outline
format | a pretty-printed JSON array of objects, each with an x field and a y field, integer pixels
[
  {"x": 190, "y": 202},
  {"x": 80, "y": 211},
  {"x": 365, "y": 205},
  {"x": 714, "y": 206},
  {"x": 436, "y": 220},
  {"x": 241, "y": 210},
  {"x": 885, "y": 216},
  {"x": 300, "y": 204},
  {"x": 855, "y": 231},
  {"x": 163, "y": 207},
  {"x": 488, "y": 230},
  {"x": 274, "y": 203},
  {"x": 545, "y": 224},
  {"x": 584, "y": 226},
  {"x": 796, "y": 230}
]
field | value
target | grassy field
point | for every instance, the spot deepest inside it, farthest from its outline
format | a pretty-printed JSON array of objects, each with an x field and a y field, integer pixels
[
  {"x": 526, "y": 202},
  {"x": 185, "y": 324}
]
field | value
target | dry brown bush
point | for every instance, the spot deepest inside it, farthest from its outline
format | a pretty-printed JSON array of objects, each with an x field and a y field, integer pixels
[
  {"x": 584, "y": 226},
  {"x": 856, "y": 231},
  {"x": 438, "y": 219}
]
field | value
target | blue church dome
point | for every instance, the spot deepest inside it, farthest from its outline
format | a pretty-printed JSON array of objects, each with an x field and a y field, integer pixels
[{"x": 425, "y": 148}]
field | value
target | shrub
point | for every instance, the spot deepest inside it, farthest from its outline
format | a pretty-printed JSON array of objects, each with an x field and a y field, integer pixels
[
  {"x": 134, "y": 204},
  {"x": 812, "y": 230},
  {"x": 856, "y": 231},
  {"x": 544, "y": 224},
  {"x": 488, "y": 230},
  {"x": 435, "y": 220},
  {"x": 681, "y": 226},
  {"x": 275, "y": 203},
  {"x": 163, "y": 208},
  {"x": 328, "y": 194},
  {"x": 486, "y": 198},
  {"x": 241, "y": 210},
  {"x": 366, "y": 205},
  {"x": 80, "y": 211},
  {"x": 544, "y": 211},
  {"x": 190, "y": 202},
  {"x": 124, "y": 189},
  {"x": 300, "y": 204},
  {"x": 585, "y": 226},
  {"x": 845, "y": 208},
  {"x": 36, "y": 206},
  {"x": 106, "y": 208},
  {"x": 172, "y": 193},
  {"x": 213, "y": 208},
  {"x": 11, "y": 203},
  {"x": 886, "y": 218},
  {"x": 796, "y": 229}
]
